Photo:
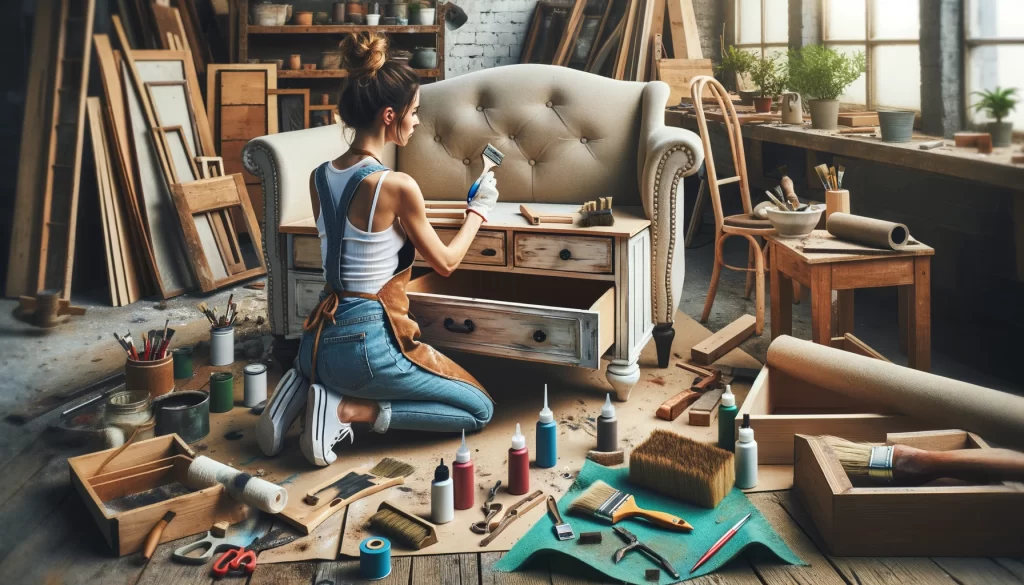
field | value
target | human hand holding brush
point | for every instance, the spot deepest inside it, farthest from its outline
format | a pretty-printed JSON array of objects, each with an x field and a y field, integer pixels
[{"x": 906, "y": 465}]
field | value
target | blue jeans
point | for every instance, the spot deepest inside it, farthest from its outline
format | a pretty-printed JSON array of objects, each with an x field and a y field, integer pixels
[{"x": 360, "y": 357}]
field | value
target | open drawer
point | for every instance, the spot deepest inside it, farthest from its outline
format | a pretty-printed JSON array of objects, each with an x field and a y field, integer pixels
[{"x": 535, "y": 318}]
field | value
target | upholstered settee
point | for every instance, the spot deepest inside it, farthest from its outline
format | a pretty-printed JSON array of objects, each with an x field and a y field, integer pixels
[{"x": 567, "y": 137}]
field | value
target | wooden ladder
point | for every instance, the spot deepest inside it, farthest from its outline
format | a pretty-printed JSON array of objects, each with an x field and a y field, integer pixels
[{"x": 64, "y": 162}]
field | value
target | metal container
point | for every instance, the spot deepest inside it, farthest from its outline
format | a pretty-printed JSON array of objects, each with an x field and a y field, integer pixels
[
  {"x": 255, "y": 385},
  {"x": 155, "y": 376},
  {"x": 126, "y": 413},
  {"x": 183, "y": 367},
  {"x": 185, "y": 413},
  {"x": 423, "y": 58},
  {"x": 222, "y": 392},
  {"x": 897, "y": 125},
  {"x": 792, "y": 109},
  {"x": 222, "y": 346}
]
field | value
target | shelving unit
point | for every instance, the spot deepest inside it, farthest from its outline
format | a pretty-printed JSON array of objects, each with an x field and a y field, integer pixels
[{"x": 339, "y": 73}]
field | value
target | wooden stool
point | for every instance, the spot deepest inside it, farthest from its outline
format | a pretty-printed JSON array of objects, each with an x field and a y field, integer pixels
[{"x": 822, "y": 273}]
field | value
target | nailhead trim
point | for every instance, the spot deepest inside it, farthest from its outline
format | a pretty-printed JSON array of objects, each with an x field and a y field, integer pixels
[
  {"x": 676, "y": 177},
  {"x": 251, "y": 166}
]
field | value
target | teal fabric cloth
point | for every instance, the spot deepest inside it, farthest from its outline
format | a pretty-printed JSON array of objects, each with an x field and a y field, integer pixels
[{"x": 680, "y": 548}]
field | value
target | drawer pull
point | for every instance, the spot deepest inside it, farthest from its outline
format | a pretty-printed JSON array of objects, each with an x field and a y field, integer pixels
[
  {"x": 466, "y": 327},
  {"x": 565, "y": 254},
  {"x": 539, "y": 336},
  {"x": 488, "y": 252}
]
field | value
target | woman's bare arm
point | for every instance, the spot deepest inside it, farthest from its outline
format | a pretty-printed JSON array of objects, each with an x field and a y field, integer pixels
[{"x": 412, "y": 210}]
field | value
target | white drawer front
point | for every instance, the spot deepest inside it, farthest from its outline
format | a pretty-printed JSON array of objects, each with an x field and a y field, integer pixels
[
  {"x": 537, "y": 331},
  {"x": 303, "y": 296}
]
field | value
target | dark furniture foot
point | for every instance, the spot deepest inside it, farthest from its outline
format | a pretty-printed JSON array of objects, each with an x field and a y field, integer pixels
[
  {"x": 285, "y": 351},
  {"x": 664, "y": 333}
]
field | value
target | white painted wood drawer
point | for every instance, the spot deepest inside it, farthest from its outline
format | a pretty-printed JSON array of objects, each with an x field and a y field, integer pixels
[
  {"x": 488, "y": 246},
  {"x": 561, "y": 252},
  {"x": 306, "y": 253},
  {"x": 303, "y": 296},
  {"x": 535, "y": 318}
]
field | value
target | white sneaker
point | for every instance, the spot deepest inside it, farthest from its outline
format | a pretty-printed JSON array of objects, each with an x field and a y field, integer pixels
[
  {"x": 282, "y": 409},
  {"x": 323, "y": 428}
]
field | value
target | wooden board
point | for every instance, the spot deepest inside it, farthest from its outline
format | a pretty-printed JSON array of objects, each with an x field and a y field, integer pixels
[
  {"x": 685, "y": 34},
  {"x": 678, "y": 73},
  {"x": 705, "y": 410},
  {"x": 214, "y": 85},
  {"x": 579, "y": 254},
  {"x": 857, "y": 119},
  {"x": 723, "y": 341}
]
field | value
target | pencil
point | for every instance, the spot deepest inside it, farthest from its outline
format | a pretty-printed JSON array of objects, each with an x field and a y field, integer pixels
[{"x": 721, "y": 542}]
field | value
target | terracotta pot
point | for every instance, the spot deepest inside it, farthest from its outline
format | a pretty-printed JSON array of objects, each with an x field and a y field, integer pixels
[
  {"x": 354, "y": 8},
  {"x": 824, "y": 114},
  {"x": 295, "y": 62},
  {"x": 330, "y": 60},
  {"x": 303, "y": 19},
  {"x": 763, "y": 105},
  {"x": 309, "y": 66},
  {"x": 155, "y": 377}
]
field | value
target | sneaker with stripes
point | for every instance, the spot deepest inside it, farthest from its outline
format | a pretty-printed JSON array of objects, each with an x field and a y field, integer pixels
[
  {"x": 284, "y": 407},
  {"x": 323, "y": 427}
]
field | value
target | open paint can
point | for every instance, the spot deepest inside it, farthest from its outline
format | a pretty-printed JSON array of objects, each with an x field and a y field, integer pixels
[{"x": 185, "y": 413}]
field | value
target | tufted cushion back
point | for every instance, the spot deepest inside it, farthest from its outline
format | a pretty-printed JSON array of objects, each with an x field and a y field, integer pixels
[{"x": 567, "y": 136}]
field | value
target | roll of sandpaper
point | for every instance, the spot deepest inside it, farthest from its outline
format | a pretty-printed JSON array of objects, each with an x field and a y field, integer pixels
[
  {"x": 994, "y": 415},
  {"x": 868, "y": 231},
  {"x": 268, "y": 497}
]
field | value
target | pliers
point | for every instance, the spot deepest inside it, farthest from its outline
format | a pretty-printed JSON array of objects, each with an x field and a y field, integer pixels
[{"x": 634, "y": 543}]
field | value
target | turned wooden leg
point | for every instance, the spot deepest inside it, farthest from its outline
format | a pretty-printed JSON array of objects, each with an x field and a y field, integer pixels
[
  {"x": 920, "y": 316},
  {"x": 716, "y": 273},
  {"x": 623, "y": 375},
  {"x": 748, "y": 286},
  {"x": 664, "y": 333}
]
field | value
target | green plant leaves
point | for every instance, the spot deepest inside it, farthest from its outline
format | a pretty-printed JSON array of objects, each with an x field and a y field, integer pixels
[
  {"x": 820, "y": 72},
  {"x": 997, "y": 103}
]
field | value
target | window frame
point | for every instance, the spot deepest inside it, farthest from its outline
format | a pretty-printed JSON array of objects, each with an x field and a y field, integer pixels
[
  {"x": 970, "y": 43},
  {"x": 762, "y": 45},
  {"x": 869, "y": 43}
]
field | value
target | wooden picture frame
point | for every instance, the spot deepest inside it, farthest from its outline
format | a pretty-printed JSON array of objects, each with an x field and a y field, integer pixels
[
  {"x": 159, "y": 65},
  {"x": 204, "y": 209},
  {"x": 179, "y": 164},
  {"x": 173, "y": 107},
  {"x": 210, "y": 166},
  {"x": 282, "y": 95}
]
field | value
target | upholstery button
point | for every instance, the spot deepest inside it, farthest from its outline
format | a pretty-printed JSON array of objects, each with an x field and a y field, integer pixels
[
  {"x": 479, "y": 108},
  {"x": 583, "y": 140},
  {"x": 549, "y": 104},
  {"x": 437, "y": 139},
  {"x": 465, "y": 161},
  {"x": 532, "y": 162}
]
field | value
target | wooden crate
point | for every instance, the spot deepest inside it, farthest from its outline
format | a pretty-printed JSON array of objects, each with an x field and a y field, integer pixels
[
  {"x": 781, "y": 406},
  {"x": 142, "y": 466},
  {"x": 949, "y": 519}
]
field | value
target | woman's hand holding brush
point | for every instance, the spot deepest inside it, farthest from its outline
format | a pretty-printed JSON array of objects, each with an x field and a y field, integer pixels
[{"x": 486, "y": 196}]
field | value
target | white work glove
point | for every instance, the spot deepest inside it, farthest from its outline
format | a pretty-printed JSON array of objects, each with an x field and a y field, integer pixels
[{"x": 486, "y": 196}]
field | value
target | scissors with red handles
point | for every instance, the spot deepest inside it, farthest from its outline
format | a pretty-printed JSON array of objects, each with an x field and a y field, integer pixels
[{"x": 240, "y": 559}]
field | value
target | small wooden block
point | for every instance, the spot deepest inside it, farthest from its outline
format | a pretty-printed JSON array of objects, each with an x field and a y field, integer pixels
[
  {"x": 219, "y": 529},
  {"x": 673, "y": 407},
  {"x": 705, "y": 410},
  {"x": 1018, "y": 159},
  {"x": 652, "y": 574},
  {"x": 858, "y": 119},
  {"x": 724, "y": 340},
  {"x": 607, "y": 458},
  {"x": 984, "y": 144},
  {"x": 590, "y": 538},
  {"x": 964, "y": 139},
  {"x": 858, "y": 130}
]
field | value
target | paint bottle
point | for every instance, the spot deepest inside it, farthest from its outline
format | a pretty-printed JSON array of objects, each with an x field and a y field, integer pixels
[
  {"x": 746, "y": 456},
  {"x": 442, "y": 498},
  {"x": 607, "y": 427},
  {"x": 727, "y": 420},
  {"x": 465, "y": 477},
  {"x": 518, "y": 465},
  {"x": 547, "y": 436}
]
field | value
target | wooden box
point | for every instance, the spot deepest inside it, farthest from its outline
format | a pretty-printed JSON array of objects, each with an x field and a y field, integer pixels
[
  {"x": 143, "y": 466},
  {"x": 781, "y": 406},
  {"x": 947, "y": 519}
]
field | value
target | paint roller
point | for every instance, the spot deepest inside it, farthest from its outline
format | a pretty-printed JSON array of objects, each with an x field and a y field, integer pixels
[{"x": 268, "y": 497}]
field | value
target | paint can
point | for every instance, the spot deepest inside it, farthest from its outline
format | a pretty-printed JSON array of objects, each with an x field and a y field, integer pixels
[
  {"x": 153, "y": 376},
  {"x": 182, "y": 362},
  {"x": 255, "y": 384},
  {"x": 222, "y": 346},
  {"x": 374, "y": 558},
  {"x": 185, "y": 413},
  {"x": 222, "y": 392}
]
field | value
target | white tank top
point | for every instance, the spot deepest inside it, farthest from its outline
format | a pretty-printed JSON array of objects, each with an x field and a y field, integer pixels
[{"x": 368, "y": 259}]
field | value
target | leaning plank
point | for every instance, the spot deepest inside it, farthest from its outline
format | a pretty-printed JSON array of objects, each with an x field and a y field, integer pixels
[
  {"x": 818, "y": 571},
  {"x": 627, "y": 36},
  {"x": 116, "y": 281},
  {"x": 685, "y": 35},
  {"x": 23, "y": 258},
  {"x": 723, "y": 341}
]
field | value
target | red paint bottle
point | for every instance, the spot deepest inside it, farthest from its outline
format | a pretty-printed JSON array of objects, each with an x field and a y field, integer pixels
[
  {"x": 465, "y": 477},
  {"x": 518, "y": 465}
]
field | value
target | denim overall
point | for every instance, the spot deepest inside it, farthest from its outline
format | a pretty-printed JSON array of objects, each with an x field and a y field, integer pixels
[{"x": 358, "y": 353}]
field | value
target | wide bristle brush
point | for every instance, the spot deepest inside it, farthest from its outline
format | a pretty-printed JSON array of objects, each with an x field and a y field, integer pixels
[
  {"x": 607, "y": 503},
  {"x": 684, "y": 469},
  {"x": 403, "y": 526},
  {"x": 905, "y": 465},
  {"x": 491, "y": 157},
  {"x": 597, "y": 213}
]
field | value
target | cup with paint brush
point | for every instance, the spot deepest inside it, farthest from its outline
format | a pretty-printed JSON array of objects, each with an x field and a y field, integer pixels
[{"x": 150, "y": 367}]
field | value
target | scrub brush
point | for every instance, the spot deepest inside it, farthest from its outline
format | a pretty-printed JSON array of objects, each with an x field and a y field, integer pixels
[
  {"x": 683, "y": 469},
  {"x": 403, "y": 526},
  {"x": 597, "y": 213},
  {"x": 491, "y": 157}
]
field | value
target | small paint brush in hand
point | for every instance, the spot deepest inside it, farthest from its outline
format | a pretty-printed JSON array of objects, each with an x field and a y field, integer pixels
[
  {"x": 607, "y": 503},
  {"x": 902, "y": 464}
]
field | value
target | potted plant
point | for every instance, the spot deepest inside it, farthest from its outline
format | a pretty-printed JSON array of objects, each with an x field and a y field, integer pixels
[
  {"x": 771, "y": 79},
  {"x": 735, "y": 62},
  {"x": 997, "y": 104},
  {"x": 822, "y": 74}
]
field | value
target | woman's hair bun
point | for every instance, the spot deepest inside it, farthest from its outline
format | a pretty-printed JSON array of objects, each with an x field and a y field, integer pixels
[{"x": 364, "y": 53}]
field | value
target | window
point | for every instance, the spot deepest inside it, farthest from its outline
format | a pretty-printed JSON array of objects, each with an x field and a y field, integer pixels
[
  {"x": 995, "y": 51},
  {"x": 888, "y": 32},
  {"x": 762, "y": 26}
]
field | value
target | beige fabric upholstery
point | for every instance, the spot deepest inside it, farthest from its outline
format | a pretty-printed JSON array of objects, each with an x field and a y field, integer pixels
[{"x": 586, "y": 136}]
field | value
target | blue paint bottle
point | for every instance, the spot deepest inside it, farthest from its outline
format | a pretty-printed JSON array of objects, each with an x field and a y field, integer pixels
[{"x": 547, "y": 436}]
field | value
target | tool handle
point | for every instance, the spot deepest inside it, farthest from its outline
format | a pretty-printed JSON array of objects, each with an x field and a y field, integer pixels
[
  {"x": 663, "y": 519},
  {"x": 553, "y": 508},
  {"x": 974, "y": 465},
  {"x": 660, "y": 560},
  {"x": 327, "y": 510},
  {"x": 154, "y": 538},
  {"x": 787, "y": 188}
]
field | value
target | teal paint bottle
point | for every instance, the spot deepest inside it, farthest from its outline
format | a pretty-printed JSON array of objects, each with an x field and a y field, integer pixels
[
  {"x": 727, "y": 420},
  {"x": 547, "y": 436}
]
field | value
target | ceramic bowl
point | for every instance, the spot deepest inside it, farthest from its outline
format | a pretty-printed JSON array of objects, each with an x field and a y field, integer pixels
[{"x": 795, "y": 224}]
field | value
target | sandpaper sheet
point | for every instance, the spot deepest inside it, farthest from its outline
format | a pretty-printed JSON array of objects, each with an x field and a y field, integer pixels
[{"x": 575, "y": 397}]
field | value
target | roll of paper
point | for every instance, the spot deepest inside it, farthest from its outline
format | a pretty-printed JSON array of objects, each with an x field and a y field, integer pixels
[
  {"x": 259, "y": 493},
  {"x": 994, "y": 415},
  {"x": 868, "y": 231}
]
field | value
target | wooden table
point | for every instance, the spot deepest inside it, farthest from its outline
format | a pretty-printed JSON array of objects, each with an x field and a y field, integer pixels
[{"x": 824, "y": 273}]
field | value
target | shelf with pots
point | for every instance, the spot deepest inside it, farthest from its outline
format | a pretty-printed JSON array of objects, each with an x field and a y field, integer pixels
[
  {"x": 291, "y": 29},
  {"x": 337, "y": 73}
]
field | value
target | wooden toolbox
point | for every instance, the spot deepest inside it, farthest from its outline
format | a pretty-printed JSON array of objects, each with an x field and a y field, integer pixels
[
  {"x": 781, "y": 406},
  {"x": 938, "y": 519},
  {"x": 143, "y": 466}
]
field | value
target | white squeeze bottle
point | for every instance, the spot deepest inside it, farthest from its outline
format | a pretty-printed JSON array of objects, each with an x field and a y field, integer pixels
[{"x": 746, "y": 456}]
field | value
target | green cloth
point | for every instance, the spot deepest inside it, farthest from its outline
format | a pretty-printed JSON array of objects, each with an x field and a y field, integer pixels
[{"x": 680, "y": 548}]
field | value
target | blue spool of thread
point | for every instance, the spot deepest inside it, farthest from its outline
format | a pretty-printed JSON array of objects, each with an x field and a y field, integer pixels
[{"x": 374, "y": 558}]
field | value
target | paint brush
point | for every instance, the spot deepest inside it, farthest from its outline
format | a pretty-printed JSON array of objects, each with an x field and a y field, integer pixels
[
  {"x": 607, "y": 503},
  {"x": 777, "y": 203},
  {"x": 842, "y": 170},
  {"x": 822, "y": 171},
  {"x": 720, "y": 543},
  {"x": 491, "y": 157}
]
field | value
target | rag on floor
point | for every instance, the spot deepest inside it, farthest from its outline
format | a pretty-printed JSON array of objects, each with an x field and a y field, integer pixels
[{"x": 680, "y": 548}]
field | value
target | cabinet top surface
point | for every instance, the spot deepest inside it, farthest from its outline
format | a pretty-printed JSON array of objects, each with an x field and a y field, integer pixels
[
  {"x": 629, "y": 221},
  {"x": 822, "y": 237}
]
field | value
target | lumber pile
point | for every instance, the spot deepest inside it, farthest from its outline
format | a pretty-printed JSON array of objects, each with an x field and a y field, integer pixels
[
  {"x": 636, "y": 40},
  {"x": 130, "y": 147}
]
